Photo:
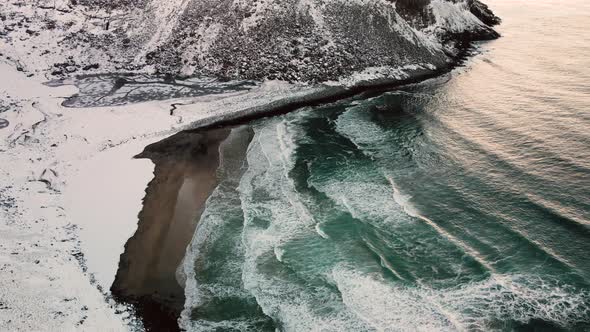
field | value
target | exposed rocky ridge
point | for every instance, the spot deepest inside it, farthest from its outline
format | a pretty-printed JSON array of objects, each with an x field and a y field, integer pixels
[
  {"x": 483, "y": 12},
  {"x": 295, "y": 40}
]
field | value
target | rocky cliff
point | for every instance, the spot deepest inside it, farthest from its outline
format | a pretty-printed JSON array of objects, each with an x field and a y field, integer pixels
[{"x": 295, "y": 40}]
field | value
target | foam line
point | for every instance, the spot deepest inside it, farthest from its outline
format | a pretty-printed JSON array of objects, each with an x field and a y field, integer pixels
[
  {"x": 384, "y": 262},
  {"x": 321, "y": 233},
  {"x": 412, "y": 211}
]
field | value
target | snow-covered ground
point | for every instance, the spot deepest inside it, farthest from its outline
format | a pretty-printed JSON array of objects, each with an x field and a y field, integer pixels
[
  {"x": 70, "y": 193},
  {"x": 43, "y": 283}
]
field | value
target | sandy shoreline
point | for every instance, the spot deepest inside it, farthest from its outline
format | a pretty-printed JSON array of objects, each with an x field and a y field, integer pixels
[
  {"x": 185, "y": 175},
  {"x": 71, "y": 193},
  {"x": 73, "y": 190}
]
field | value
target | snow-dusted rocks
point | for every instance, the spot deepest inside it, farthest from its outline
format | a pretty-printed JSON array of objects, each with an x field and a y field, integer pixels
[{"x": 295, "y": 40}]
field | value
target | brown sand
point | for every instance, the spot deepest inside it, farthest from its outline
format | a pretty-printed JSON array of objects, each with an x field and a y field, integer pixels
[{"x": 184, "y": 178}]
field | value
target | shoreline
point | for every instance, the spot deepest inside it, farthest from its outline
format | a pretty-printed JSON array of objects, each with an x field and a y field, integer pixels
[
  {"x": 185, "y": 175},
  {"x": 160, "y": 312},
  {"x": 66, "y": 142},
  {"x": 71, "y": 195}
]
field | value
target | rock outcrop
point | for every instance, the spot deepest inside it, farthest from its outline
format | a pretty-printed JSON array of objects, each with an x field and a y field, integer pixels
[{"x": 295, "y": 40}]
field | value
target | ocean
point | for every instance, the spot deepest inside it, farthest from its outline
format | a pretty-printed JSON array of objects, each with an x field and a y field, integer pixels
[{"x": 460, "y": 203}]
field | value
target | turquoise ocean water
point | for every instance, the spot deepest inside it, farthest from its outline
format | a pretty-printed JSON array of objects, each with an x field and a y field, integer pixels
[{"x": 462, "y": 203}]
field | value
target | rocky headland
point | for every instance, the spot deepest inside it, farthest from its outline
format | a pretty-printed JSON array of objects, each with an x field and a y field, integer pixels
[{"x": 302, "y": 40}]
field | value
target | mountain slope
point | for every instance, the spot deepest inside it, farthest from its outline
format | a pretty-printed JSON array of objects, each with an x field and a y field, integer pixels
[{"x": 296, "y": 40}]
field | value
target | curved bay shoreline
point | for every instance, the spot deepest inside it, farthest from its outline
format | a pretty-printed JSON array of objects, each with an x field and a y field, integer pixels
[
  {"x": 200, "y": 140},
  {"x": 46, "y": 146},
  {"x": 105, "y": 141}
]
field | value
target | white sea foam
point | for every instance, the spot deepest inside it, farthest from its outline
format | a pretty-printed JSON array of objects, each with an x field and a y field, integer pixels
[
  {"x": 365, "y": 301},
  {"x": 279, "y": 253},
  {"x": 268, "y": 193},
  {"x": 209, "y": 229},
  {"x": 212, "y": 226},
  {"x": 270, "y": 159},
  {"x": 366, "y": 134},
  {"x": 242, "y": 325},
  {"x": 410, "y": 209},
  {"x": 474, "y": 306},
  {"x": 384, "y": 262},
  {"x": 318, "y": 229},
  {"x": 353, "y": 196},
  {"x": 355, "y": 125}
]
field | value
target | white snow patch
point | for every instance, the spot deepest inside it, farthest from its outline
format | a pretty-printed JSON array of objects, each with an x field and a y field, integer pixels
[
  {"x": 454, "y": 17},
  {"x": 373, "y": 74}
]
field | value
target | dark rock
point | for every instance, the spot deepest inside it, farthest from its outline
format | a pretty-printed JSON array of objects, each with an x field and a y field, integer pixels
[
  {"x": 483, "y": 13},
  {"x": 287, "y": 41},
  {"x": 90, "y": 67}
]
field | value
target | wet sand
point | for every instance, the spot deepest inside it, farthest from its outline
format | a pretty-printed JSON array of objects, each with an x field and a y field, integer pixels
[{"x": 184, "y": 177}]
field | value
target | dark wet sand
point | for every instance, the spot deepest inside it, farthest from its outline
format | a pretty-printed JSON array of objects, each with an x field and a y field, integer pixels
[{"x": 184, "y": 177}]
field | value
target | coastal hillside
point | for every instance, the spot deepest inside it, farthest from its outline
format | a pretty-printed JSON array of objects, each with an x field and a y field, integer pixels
[{"x": 293, "y": 40}]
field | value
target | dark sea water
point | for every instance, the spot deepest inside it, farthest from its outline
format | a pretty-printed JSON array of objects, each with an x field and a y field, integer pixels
[{"x": 462, "y": 203}]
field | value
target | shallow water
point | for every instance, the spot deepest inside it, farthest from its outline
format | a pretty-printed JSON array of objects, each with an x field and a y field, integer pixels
[{"x": 462, "y": 203}]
